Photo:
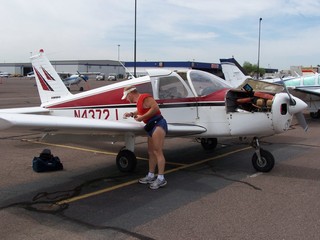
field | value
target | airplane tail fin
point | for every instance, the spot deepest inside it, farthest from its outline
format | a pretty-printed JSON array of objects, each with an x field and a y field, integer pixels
[
  {"x": 234, "y": 74},
  {"x": 50, "y": 86}
]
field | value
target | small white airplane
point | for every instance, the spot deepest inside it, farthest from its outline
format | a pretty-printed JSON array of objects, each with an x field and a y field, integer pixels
[
  {"x": 235, "y": 74},
  {"x": 74, "y": 79},
  {"x": 196, "y": 104},
  {"x": 306, "y": 87}
]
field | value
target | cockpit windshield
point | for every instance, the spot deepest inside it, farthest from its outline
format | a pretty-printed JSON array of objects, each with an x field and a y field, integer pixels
[{"x": 204, "y": 83}]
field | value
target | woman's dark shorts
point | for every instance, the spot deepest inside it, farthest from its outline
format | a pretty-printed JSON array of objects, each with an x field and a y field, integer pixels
[{"x": 161, "y": 123}]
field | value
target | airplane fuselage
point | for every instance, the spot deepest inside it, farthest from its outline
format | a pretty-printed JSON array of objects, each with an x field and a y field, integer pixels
[{"x": 218, "y": 112}]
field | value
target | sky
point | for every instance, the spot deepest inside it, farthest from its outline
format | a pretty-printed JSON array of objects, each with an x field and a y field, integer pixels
[{"x": 166, "y": 30}]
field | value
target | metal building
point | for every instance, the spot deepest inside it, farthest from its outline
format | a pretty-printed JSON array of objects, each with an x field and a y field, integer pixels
[{"x": 110, "y": 67}]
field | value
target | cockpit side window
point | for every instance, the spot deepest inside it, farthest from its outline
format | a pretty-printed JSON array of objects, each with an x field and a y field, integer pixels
[
  {"x": 171, "y": 87},
  {"x": 205, "y": 83}
]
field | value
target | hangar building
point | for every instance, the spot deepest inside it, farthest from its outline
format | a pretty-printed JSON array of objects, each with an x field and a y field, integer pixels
[{"x": 108, "y": 67}]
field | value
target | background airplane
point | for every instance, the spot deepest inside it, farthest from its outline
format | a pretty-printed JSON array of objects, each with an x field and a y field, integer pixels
[
  {"x": 235, "y": 74},
  {"x": 196, "y": 104},
  {"x": 305, "y": 87},
  {"x": 74, "y": 79}
]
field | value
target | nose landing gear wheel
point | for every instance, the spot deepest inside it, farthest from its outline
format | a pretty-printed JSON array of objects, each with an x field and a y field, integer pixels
[
  {"x": 126, "y": 161},
  {"x": 265, "y": 164}
]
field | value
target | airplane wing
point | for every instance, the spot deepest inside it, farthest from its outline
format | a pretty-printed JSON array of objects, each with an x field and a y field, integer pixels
[
  {"x": 24, "y": 110},
  {"x": 309, "y": 90},
  {"x": 47, "y": 123}
]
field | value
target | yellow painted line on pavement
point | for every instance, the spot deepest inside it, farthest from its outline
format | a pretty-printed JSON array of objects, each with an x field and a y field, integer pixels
[
  {"x": 105, "y": 190},
  {"x": 76, "y": 148},
  {"x": 91, "y": 150}
]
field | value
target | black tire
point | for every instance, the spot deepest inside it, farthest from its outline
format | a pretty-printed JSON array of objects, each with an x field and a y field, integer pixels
[
  {"x": 267, "y": 161},
  {"x": 126, "y": 161},
  {"x": 81, "y": 89},
  {"x": 315, "y": 115},
  {"x": 209, "y": 143}
]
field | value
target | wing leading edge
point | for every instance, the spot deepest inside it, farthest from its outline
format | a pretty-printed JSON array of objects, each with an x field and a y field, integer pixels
[
  {"x": 25, "y": 110},
  {"x": 48, "y": 123}
]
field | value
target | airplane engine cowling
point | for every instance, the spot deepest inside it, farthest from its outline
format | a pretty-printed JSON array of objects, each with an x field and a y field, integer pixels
[{"x": 283, "y": 111}]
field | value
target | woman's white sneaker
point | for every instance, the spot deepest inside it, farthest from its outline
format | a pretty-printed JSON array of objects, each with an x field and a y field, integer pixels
[
  {"x": 158, "y": 183},
  {"x": 147, "y": 180}
]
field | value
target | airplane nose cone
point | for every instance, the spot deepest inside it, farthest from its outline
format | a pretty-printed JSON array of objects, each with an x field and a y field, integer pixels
[{"x": 298, "y": 107}]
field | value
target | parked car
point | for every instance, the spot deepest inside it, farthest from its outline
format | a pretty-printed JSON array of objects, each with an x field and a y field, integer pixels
[
  {"x": 100, "y": 77},
  {"x": 112, "y": 77},
  {"x": 30, "y": 74},
  {"x": 4, "y": 74}
]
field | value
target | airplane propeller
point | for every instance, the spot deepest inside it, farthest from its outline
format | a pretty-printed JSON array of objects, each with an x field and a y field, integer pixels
[
  {"x": 292, "y": 101},
  {"x": 294, "y": 109},
  {"x": 83, "y": 77}
]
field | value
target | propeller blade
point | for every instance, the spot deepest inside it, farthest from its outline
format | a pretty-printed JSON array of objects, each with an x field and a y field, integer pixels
[
  {"x": 296, "y": 108},
  {"x": 292, "y": 101},
  {"x": 84, "y": 77},
  {"x": 302, "y": 121}
]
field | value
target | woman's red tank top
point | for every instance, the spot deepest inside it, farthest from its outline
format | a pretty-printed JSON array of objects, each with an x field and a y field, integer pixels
[{"x": 141, "y": 110}]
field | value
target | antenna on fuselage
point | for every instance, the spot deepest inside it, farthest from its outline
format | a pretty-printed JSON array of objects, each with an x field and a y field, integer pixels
[{"x": 132, "y": 76}]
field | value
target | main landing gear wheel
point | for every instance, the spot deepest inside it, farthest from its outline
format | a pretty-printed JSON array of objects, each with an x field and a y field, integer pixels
[
  {"x": 265, "y": 163},
  {"x": 209, "y": 143},
  {"x": 126, "y": 161}
]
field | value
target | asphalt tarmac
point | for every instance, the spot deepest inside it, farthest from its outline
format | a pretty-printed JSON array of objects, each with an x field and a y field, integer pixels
[{"x": 210, "y": 194}]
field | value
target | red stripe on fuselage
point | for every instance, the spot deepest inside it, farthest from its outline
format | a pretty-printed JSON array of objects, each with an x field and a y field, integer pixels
[
  {"x": 100, "y": 99},
  {"x": 216, "y": 96},
  {"x": 113, "y": 97}
]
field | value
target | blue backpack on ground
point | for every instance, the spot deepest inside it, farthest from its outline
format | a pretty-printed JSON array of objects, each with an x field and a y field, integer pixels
[{"x": 46, "y": 162}]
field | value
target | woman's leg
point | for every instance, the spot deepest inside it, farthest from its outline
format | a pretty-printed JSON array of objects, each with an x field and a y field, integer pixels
[{"x": 155, "y": 149}]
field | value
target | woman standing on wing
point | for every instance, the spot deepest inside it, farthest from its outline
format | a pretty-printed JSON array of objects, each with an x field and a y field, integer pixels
[{"x": 156, "y": 126}]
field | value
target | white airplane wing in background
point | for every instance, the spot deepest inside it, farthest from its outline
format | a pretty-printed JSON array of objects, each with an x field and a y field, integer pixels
[{"x": 312, "y": 90}]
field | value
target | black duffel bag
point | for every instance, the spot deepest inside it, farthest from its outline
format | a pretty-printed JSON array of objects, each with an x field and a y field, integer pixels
[{"x": 46, "y": 162}]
